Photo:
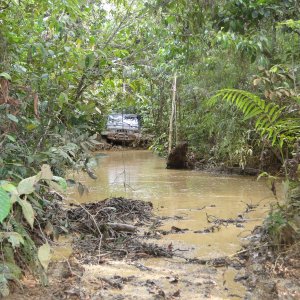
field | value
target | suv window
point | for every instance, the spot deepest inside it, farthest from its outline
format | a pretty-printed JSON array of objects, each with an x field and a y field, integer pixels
[{"x": 125, "y": 121}]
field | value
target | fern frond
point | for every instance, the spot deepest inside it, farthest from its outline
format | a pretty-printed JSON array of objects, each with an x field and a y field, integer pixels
[{"x": 270, "y": 118}]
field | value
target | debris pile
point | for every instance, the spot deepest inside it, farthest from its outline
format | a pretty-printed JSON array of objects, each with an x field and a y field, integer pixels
[
  {"x": 110, "y": 216},
  {"x": 271, "y": 270},
  {"x": 112, "y": 228}
]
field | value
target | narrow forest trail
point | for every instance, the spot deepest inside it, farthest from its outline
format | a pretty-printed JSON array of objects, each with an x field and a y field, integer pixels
[{"x": 186, "y": 200}]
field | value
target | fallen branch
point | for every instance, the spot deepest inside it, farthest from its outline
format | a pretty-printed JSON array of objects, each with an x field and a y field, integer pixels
[
  {"x": 122, "y": 227},
  {"x": 219, "y": 221}
]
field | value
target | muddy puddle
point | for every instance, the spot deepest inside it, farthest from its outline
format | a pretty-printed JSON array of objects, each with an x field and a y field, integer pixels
[
  {"x": 188, "y": 200},
  {"x": 189, "y": 195}
]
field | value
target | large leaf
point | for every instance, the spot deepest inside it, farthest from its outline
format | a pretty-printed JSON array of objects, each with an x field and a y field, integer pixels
[
  {"x": 8, "y": 271},
  {"x": 26, "y": 186},
  {"x": 5, "y": 204},
  {"x": 44, "y": 255},
  {"x": 46, "y": 172},
  {"x": 269, "y": 115},
  {"x": 28, "y": 211}
]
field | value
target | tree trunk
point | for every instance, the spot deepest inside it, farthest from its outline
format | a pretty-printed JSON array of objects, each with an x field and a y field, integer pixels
[{"x": 173, "y": 114}]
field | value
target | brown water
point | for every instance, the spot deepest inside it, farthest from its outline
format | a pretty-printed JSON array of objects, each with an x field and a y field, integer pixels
[
  {"x": 187, "y": 194},
  {"x": 142, "y": 175}
]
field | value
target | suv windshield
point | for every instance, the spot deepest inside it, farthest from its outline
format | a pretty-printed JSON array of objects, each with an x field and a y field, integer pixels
[{"x": 124, "y": 121}]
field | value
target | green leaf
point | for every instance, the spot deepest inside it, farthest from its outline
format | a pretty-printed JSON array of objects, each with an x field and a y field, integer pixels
[
  {"x": 28, "y": 211},
  {"x": 31, "y": 126},
  {"x": 8, "y": 187},
  {"x": 44, "y": 255},
  {"x": 171, "y": 19},
  {"x": 20, "y": 69},
  {"x": 51, "y": 53},
  {"x": 26, "y": 186},
  {"x": 62, "y": 182},
  {"x": 5, "y": 204},
  {"x": 263, "y": 174},
  {"x": 256, "y": 111},
  {"x": 62, "y": 99},
  {"x": 10, "y": 271},
  {"x": 55, "y": 186},
  {"x": 15, "y": 239},
  {"x": 5, "y": 75},
  {"x": 89, "y": 60},
  {"x": 45, "y": 76},
  {"x": 4, "y": 289},
  {"x": 11, "y": 138},
  {"x": 254, "y": 14},
  {"x": 12, "y": 118}
]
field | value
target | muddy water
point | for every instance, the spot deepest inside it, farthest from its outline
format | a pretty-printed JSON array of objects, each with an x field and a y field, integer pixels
[
  {"x": 142, "y": 175},
  {"x": 189, "y": 195}
]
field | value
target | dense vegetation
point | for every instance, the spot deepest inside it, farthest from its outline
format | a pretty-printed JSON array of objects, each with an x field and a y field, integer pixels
[{"x": 65, "y": 64}]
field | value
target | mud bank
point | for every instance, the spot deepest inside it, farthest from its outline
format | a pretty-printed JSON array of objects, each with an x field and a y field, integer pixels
[
  {"x": 131, "y": 260},
  {"x": 184, "y": 247},
  {"x": 270, "y": 271},
  {"x": 125, "y": 261}
]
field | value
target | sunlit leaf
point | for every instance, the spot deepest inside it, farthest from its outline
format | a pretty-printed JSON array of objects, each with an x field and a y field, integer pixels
[
  {"x": 26, "y": 186},
  {"x": 5, "y": 75},
  {"x": 46, "y": 172},
  {"x": 55, "y": 186},
  {"x": 44, "y": 255},
  {"x": 10, "y": 137},
  {"x": 4, "y": 289},
  {"x": 28, "y": 211},
  {"x": 9, "y": 187}
]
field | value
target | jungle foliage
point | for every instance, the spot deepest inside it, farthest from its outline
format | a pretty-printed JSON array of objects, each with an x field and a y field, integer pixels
[{"x": 64, "y": 65}]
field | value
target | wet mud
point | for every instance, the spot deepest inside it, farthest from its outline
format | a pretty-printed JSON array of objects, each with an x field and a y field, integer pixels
[{"x": 182, "y": 245}]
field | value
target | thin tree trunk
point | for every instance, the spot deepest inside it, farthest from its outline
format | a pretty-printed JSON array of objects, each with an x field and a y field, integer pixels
[
  {"x": 173, "y": 113},
  {"x": 161, "y": 100}
]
